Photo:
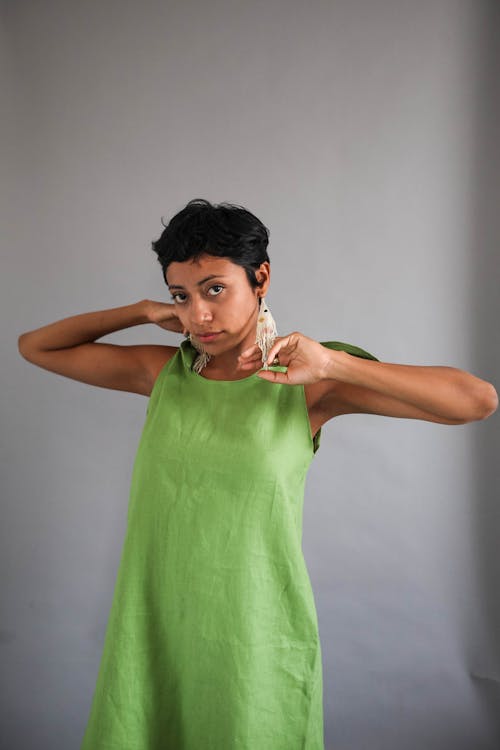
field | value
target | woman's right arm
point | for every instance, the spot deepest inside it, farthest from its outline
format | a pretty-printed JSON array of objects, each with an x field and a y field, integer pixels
[{"x": 68, "y": 347}]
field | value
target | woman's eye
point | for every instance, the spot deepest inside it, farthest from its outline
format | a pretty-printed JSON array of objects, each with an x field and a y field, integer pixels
[
  {"x": 175, "y": 296},
  {"x": 215, "y": 286}
]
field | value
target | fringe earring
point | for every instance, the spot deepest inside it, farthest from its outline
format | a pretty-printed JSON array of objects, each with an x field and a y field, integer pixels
[
  {"x": 266, "y": 331},
  {"x": 203, "y": 356}
]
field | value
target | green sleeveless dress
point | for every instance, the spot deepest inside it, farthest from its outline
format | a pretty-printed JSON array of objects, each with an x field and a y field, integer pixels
[{"x": 212, "y": 639}]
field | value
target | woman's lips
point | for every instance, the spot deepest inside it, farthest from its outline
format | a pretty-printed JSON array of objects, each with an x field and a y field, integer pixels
[{"x": 208, "y": 336}]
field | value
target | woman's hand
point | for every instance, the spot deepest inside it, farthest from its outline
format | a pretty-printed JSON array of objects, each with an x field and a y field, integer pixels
[
  {"x": 305, "y": 359},
  {"x": 165, "y": 316}
]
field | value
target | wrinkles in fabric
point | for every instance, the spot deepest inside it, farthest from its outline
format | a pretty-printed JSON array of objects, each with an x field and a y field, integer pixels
[{"x": 212, "y": 639}]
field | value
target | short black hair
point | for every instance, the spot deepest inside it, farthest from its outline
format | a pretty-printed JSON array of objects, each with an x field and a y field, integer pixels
[{"x": 223, "y": 230}]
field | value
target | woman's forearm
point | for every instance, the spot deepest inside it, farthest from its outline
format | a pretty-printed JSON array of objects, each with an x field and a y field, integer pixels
[{"x": 83, "y": 328}]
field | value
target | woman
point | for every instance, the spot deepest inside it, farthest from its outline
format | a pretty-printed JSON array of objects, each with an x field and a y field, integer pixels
[{"x": 212, "y": 641}]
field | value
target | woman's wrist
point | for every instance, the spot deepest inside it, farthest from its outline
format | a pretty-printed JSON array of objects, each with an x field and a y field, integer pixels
[{"x": 144, "y": 310}]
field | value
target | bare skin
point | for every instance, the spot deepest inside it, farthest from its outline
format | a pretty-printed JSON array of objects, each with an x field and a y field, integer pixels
[
  {"x": 225, "y": 302},
  {"x": 334, "y": 382}
]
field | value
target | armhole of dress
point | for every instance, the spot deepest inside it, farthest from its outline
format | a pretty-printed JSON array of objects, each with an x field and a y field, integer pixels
[
  {"x": 157, "y": 385},
  {"x": 317, "y": 441},
  {"x": 314, "y": 441}
]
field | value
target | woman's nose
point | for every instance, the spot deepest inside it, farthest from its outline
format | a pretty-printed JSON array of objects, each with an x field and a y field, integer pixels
[{"x": 200, "y": 312}]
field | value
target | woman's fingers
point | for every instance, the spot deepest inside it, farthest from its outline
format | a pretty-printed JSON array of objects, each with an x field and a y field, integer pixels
[
  {"x": 281, "y": 349},
  {"x": 279, "y": 353},
  {"x": 273, "y": 376},
  {"x": 247, "y": 365},
  {"x": 251, "y": 350},
  {"x": 250, "y": 357}
]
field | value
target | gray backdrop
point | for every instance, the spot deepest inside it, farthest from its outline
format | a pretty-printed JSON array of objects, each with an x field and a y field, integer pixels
[{"x": 365, "y": 135}]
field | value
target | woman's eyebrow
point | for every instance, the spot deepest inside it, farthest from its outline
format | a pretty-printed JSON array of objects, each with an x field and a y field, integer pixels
[{"x": 199, "y": 283}]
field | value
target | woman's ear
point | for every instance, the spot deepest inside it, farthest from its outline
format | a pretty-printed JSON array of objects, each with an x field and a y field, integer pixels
[{"x": 263, "y": 276}]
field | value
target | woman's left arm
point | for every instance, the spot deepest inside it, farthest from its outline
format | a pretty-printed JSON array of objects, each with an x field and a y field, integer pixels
[
  {"x": 435, "y": 393},
  {"x": 347, "y": 384}
]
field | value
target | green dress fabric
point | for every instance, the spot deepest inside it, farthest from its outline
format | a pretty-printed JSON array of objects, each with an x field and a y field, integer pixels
[{"x": 212, "y": 640}]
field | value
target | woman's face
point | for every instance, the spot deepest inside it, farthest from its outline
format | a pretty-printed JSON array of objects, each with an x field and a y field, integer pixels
[{"x": 213, "y": 296}]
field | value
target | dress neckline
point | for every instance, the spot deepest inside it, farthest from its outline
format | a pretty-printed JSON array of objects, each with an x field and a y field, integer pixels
[
  {"x": 215, "y": 380},
  {"x": 189, "y": 355}
]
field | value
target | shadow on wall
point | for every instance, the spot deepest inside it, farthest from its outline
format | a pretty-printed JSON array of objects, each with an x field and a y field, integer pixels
[{"x": 484, "y": 659}]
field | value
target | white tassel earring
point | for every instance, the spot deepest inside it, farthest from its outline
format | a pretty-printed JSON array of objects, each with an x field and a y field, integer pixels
[
  {"x": 203, "y": 357},
  {"x": 266, "y": 331}
]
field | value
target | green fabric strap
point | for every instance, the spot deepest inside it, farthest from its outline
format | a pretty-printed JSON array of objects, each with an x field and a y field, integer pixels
[{"x": 349, "y": 348}]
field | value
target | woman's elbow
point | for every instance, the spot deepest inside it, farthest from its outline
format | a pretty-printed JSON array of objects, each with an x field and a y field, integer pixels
[{"x": 486, "y": 402}]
